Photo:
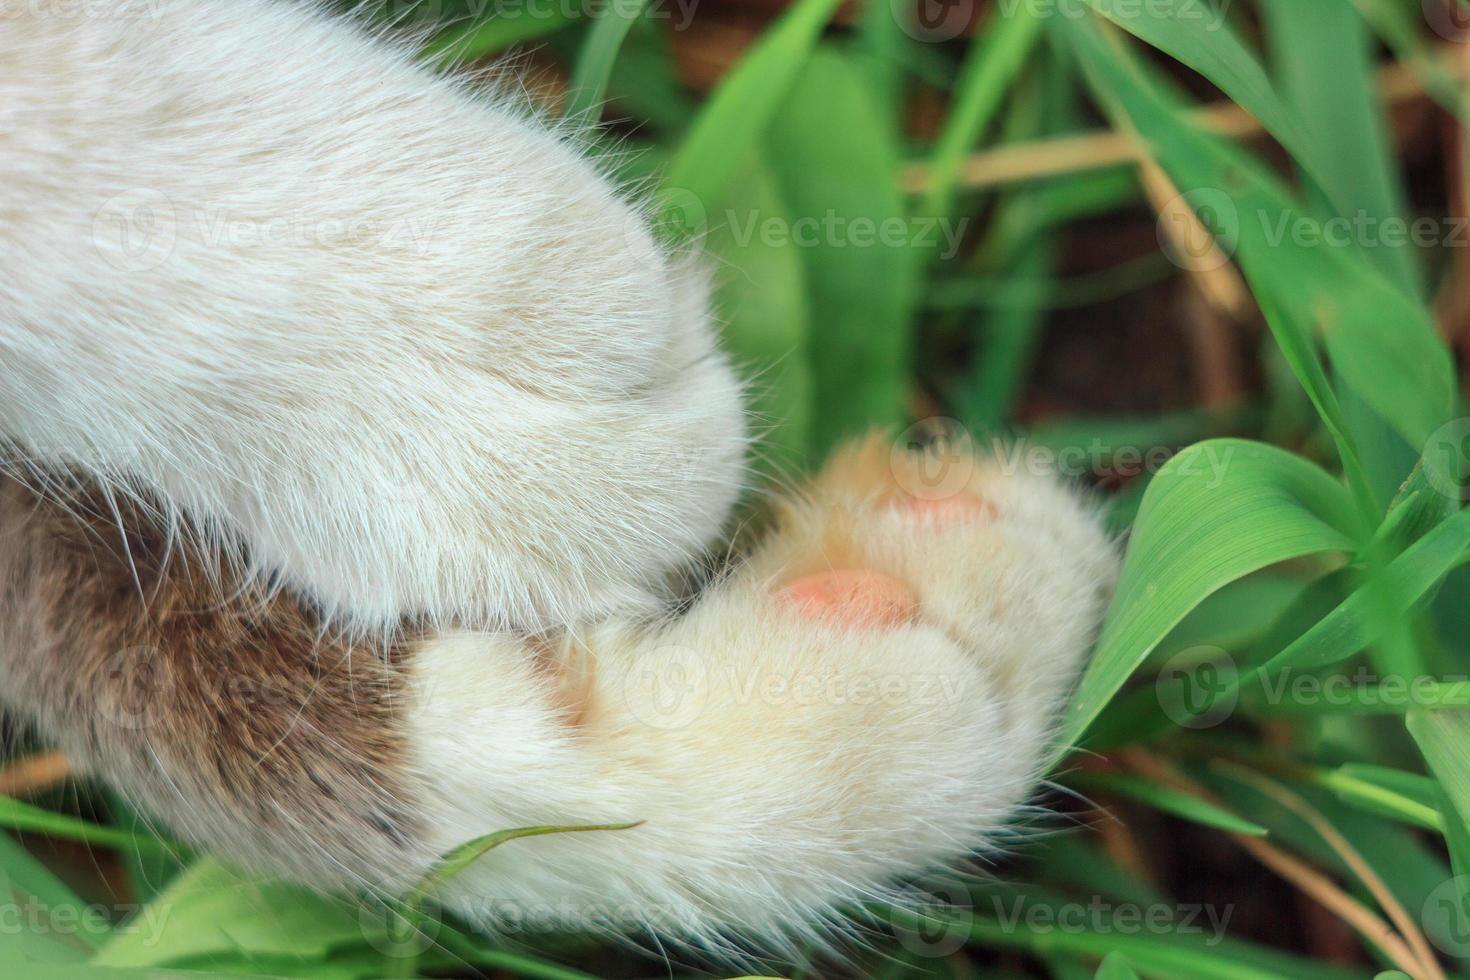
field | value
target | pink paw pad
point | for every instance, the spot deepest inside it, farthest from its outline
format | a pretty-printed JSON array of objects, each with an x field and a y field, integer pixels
[
  {"x": 852, "y": 597},
  {"x": 963, "y": 508}
]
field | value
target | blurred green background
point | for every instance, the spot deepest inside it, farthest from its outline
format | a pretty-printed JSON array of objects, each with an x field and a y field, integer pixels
[{"x": 1207, "y": 257}]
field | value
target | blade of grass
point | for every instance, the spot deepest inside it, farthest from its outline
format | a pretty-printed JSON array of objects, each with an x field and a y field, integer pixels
[
  {"x": 1387, "y": 792},
  {"x": 1443, "y": 737},
  {"x": 1200, "y": 37},
  {"x": 1381, "y": 342},
  {"x": 835, "y": 161},
  {"x": 1214, "y": 513},
  {"x": 66, "y": 929},
  {"x": 599, "y": 53},
  {"x": 503, "y": 29},
  {"x": 991, "y": 65},
  {"x": 735, "y": 116},
  {"x": 1167, "y": 800},
  {"x": 1115, "y": 967},
  {"x": 1404, "y": 583},
  {"x": 22, "y": 816},
  {"x": 763, "y": 300},
  {"x": 466, "y": 854},
  {"x": 1409, "y": 949}
]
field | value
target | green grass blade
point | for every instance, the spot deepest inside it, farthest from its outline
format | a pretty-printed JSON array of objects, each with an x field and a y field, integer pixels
[
  {"x": 1176, "y": 955},
  {"x": 743, "y": 104},
  {"x": 1169, "y": 801},
  {"x": 599, "y": 53},
  {"x": 1381, "y": 341},
  {"x": 1398, "y": 27},
  {"x": 1403, "y": 796},
  {"x": 1444, "y": 738},
  {"x": 22, "y": 816},
  {"x": 1403, "y": 583},
  {"x": 836, "y": 165},
  {"x": 1214, "y": 513},
  {"x": 763, "y": 300},
  {"x": 1199, "y": 36},
  {"x": 1392, "y": 698},
  {"x": 504, "y": 29},
  {"x": 56, "y": 925},
  {"x": 1401, "y": 856},
  {"x": 990, "y": 68},
  {"x": 466, "y": 854},
  {"x": 1115, "y": 967},
  {"x": 213, "y": 910},
  {"x": 1320, "y": 54}
]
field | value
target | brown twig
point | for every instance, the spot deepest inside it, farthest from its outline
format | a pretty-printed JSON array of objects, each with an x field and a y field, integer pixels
[
  {"x": 1405, "y": 924},
  {"x": 1401, "y": 949},
  {"x": 1092, "y": 151},
  {"x": 1209, "y": 268}
]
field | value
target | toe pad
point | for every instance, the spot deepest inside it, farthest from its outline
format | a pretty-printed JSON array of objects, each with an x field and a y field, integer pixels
[{"x": 852, "y": 597}]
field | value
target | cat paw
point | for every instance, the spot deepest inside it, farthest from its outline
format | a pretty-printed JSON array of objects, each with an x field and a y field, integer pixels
[{"x": 870, "y": 695}]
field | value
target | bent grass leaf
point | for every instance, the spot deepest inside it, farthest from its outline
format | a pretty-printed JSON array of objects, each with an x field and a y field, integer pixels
[
  {"x": 736, "y": 115},
  {"x": 1170, "y": 801},
  {"x": 1403, "y": 584},
  {"x": 466, "y": 854},
  {"x": 599, "y": 52},
  {"x": 1216, "y": 512}
]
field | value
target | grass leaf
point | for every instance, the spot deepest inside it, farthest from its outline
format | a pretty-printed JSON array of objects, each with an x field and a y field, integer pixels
[
  {"x": 1216, "y": 512},
  {"x": 736, "y": 115},
  {"x": 1169, "y": 801},
  {"x": 598, "y": 54},
  {"x": 1404, "y": 583},
  {"x": 836, "y": 166}
]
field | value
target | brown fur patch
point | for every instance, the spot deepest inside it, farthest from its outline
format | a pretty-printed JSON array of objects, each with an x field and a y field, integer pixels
[{"x": 218, "y": 706}]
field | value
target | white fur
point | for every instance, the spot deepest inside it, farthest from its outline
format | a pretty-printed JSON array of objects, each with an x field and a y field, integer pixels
[
  {"x": 782, "y": 766},
  {"x": 399, "y": 337}
]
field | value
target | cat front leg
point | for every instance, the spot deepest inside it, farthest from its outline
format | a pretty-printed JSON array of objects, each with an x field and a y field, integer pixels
[
  {"x": 391, "y": 338},
  {"x": 870, "y": 695}
]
